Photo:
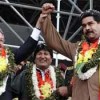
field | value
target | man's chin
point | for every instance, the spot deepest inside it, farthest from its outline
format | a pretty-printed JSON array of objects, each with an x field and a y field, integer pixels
[
  {"x": 42, "y": 65},
  {"x": 92, "y": 39},
  {"x": 0, "y": 48}
]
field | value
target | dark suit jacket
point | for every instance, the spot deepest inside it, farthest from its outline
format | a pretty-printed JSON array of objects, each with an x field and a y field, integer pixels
[
  {"x": 19, "y": 54},
  {"x": 25, "y": 50}
]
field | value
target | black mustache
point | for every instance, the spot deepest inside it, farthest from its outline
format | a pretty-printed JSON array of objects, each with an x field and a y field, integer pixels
[{"x": 89, "y": 32}]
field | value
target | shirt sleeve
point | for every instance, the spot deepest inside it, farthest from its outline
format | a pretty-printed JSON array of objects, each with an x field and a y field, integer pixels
[{"x": 35, "y": 34}]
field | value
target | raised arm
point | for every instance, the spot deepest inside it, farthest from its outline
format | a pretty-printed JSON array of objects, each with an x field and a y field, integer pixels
[
  {"x": 50, "y": 34},
  {"x": 28, "y": 47}
]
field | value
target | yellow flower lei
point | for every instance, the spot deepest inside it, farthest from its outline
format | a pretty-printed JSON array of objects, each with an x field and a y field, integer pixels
[
  {"x": 88, "y": 60},
  {"x": 30, "y": 87},
  {"x": 6, "y": 64},
  {"x": 46, "y": 90},
  {"x": 87, "y": 56},
  {"x": 3, "y": 64}
]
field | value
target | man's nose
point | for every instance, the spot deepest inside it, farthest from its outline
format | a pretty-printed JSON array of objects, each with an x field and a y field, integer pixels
[
  {"x": 87, "y": 27},
  {"x": 42, "y": 55}
]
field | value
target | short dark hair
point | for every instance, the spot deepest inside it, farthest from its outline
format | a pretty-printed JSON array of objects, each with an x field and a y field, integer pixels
[
  {"x": 40, "y": 47},
  {"x": 94, "y": 13}
]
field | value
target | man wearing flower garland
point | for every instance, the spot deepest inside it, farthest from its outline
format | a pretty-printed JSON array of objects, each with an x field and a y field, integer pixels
[
  {"x": 85, "y": 55},
  {"x": 41, "y": 80},
  {"x": 9, "y": 60}
]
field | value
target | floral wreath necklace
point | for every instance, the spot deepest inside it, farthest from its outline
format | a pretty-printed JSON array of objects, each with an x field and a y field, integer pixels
[
  {"x": 37, "y": 89},
  {"x": 6, "y": 64},
  {"x": 43, "y": 89},
  {"x": 87, "y": 59}
]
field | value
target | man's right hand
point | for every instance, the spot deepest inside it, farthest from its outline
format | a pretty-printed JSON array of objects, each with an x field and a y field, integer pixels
[
  {"x": 63, "y": 91},
  {"x": 41, "y": 20}
]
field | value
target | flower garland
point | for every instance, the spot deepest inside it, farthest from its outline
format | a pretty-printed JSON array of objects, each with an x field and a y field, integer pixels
[
  {"x": 3, "y": 65},
  {"x": 33, "y": 89},
  {"x": 47, "y": 86},
  {"x": 6, "y": 64},
  {"x": 87, "y": 59}
]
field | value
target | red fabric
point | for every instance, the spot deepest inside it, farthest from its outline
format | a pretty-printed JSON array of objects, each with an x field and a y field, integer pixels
[
  {"x": 3, "y": 52},
  {"x": 42, "y": 82},
  {"x": 86, "y": 46},
  {"x": 47, "y": 79},
  {"x": 99, "y": 95}
]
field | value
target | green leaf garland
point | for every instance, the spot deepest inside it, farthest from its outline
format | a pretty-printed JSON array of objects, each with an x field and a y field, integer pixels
[{"x": 30, "y": 87}]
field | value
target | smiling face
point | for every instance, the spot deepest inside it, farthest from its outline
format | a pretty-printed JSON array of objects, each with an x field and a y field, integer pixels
[
  {"x": 91, "y": 28},
  {"x": 43, "y": 59}
]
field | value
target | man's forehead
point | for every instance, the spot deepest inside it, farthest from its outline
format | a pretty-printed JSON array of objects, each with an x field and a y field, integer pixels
[
  {"x": 43, "y": 50},
  {"x": 88, "y": 19}
]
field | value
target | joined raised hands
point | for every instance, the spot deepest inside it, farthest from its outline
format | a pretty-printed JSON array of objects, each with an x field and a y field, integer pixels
[{"x": 47, "y": 8}]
